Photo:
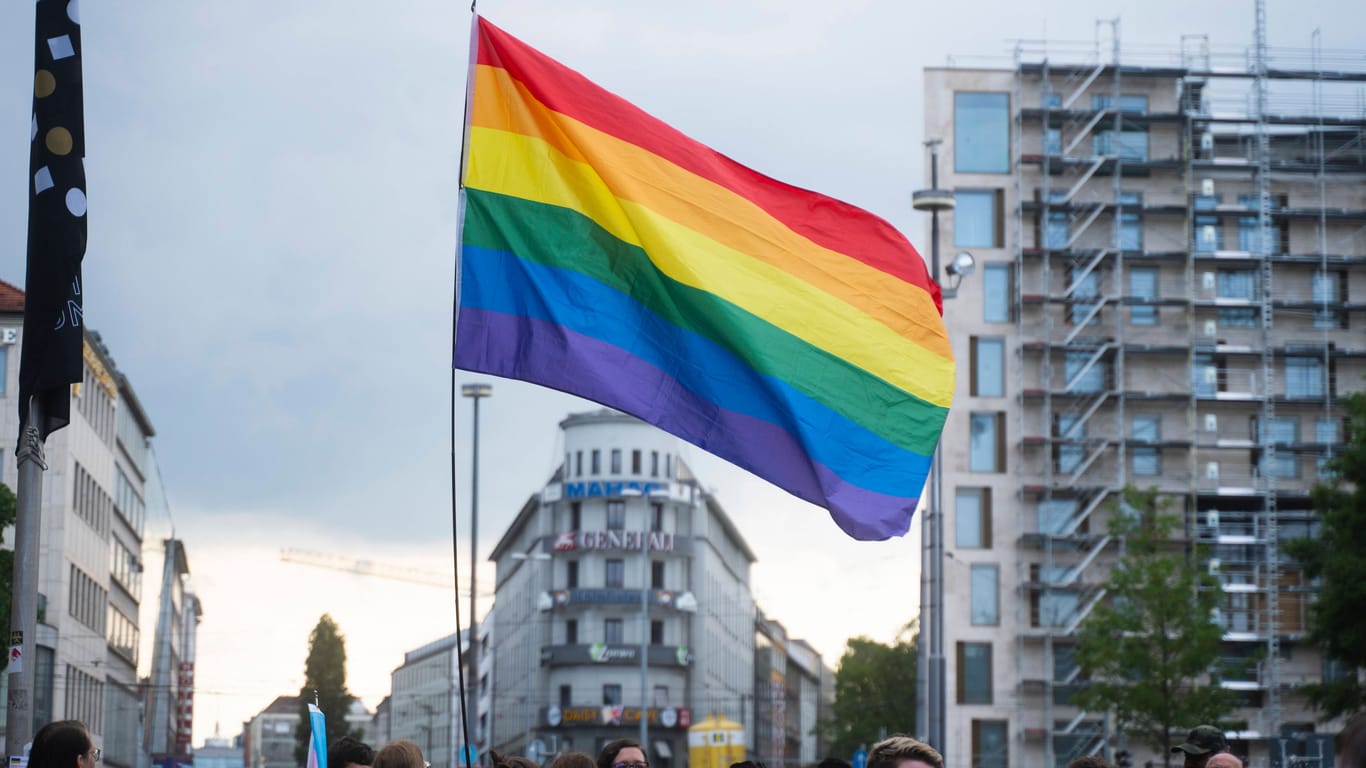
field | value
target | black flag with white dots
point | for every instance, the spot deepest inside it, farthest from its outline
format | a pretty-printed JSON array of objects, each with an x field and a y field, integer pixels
[{"x": 53, "y": 339}]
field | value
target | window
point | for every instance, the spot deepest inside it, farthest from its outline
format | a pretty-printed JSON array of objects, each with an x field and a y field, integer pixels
[
  {"x": 1057, "y": 229},
  {"x": 571, "y": 631},
  {"x": 566, "y": 695},
  {"x": 661, "y": 695},
  {"x": 1084, "y": 372},
  {"x": 668, "y": 465},
  {"x": 616, "y": 461},
  {"x": 974, "y": 673},
  {"x": 1249, "y": 227},
  {"x": 1328, "y": 291},
  {"x": 1133, "y": 104},
  {"x": 571, "y": 574},
  {"x": 1126, "y": 145},
  {"x": 972, "y": 518},
  {"x": 1204, "y": 376},
  {"x": 656, "y": 574},
  {"x": 4, "y": 367},
  {"x": 1085, "y": 286},
  {"x": 612, "y": 631},
  {"x": 1131, "y": 221},
  {"x": 1069, "y": 450},
  {"x": 1143, "y": 288},
  {"x": 1282, "y": 462},
  {"x": 986, "y": 605},
  {"x": 998, "y": 292},
  {"x": 977, "y": 218},
  {"x": 575, "y": 515},
  {"x": 1146, "y": 432},
  {"x": 1239, "y": 285},
  {"x": 1304, "y": 377},
  {"x": 981, "y": 132},
  {"x": 656, "y": 632},
  {"x": 987, "y": 446},
  {"x": 597, "y": 461},
  {"x": 1327, "y": 431},
  {"x": 635, "y": 462},
  {"x": 616, "y": 515},
  {"x": 1208, "y": 233},
  {"x": 989, "y": 744},
  {"x": 656, "y": 516},
  {"x": 1052, "y": 141},
  {"x": 1052, "y": 516},
  {"x": 654, "y": 463},
  {"x": 988, "y": 377},
  {"x": 611, "y": 695},
  {"x": 616, "y": 573}
]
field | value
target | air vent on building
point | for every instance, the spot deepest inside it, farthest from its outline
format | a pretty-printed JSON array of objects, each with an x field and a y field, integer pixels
[
  {"x": 1207, "y": 144},
  {"x": 1207, "y": 185},
  {"x": 1207, "y": 281},
  {"x": 1212, "y": 470},
  {"x": 1211, "y": 327},
  {"x": 1212, "y": 518},
  {"x": 1213, "y": 565},
  {"x": 1211, "y": 422}
]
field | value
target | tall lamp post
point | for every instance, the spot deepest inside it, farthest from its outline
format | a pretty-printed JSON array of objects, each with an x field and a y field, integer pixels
[
  {"x": 475, "y": 392},
  {"x": 931, "y": 686},
  {"x": 531, "y": 623},
  {"x": 645, "y": 527}
]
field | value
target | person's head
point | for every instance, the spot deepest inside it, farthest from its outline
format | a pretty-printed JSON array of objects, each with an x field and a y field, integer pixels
[
  {"x": 1223, "y": 760},
  {"x": 63, "y": 744},
  {"x": 1090, "y": 761},
  {"x": 399, "y": 754},
  {"x": 517, "y": 761},
  {"x": 1352, "y": 743},
  {"x": 902, "y": 751},
  {"x": 1202, "y": 742},
  {"x": 626, "y": 752},
  {"x": 346, "y": 752},
  {"x": 834, "y": 762},
  {"x": 748, "y": 764},
  {"x": 573, "y": 760}
]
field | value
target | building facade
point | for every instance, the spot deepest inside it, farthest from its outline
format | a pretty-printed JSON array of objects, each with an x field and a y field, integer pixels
[
  {"x": 268, "y": 738},
  {"x": 89, "y": 581},
  {"x": 1170, "y": 292},
  {"x": 424, "y": 703},
  {"x": 788, "y": 700},
  {"x": 622, "y": 556}
]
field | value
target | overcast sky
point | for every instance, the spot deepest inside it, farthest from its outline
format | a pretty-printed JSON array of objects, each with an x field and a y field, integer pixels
[{"x": 272, "y": 197}]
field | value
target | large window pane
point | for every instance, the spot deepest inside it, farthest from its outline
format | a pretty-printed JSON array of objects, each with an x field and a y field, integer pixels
[
  {"x": 981, "y": 132},
  {"x": 986, "y": 604},
  {"x": 1087, "y": 287},
  {"x": 1239, "y": 285},
  {"x": 1082, "y": 375},
  {"x": 974, "y": 673},
  {"x": 1143, "y": 286},
  {"x": 1204, "y": 376},
  {"x": 990, "y": 744},
  {"x": 986, "y": 448},
  {"x": 1304, "y": 377},
  {"x": 972, "y": 518},
  {"x": 998, "y": 292},
  {"x": 1128, "y": 145},
  {"x": 1327, "y": 293},
  {"x": 1209, "y": 235},
  {"x": 988, "y": 376},
  {"x": 1127, "y": 103},
  {"x": 977, "y": 221},
  {"x": 1052, "y": 515}
]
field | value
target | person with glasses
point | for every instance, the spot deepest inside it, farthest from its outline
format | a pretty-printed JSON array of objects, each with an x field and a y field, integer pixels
[
  {"x": 63, "y": 744},
  {"x": 622, "y": 753}
]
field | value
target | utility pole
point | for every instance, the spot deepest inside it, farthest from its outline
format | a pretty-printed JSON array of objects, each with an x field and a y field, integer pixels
[{"x": 475, "y": 392}]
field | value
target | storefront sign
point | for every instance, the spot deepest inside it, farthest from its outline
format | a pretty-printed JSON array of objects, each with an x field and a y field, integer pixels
[
  {"x": 610, "y": 489},
  {"x": 603, "y": 653},
  {"x": 662, "y": 598},
  {"x": 660, "y": 717}
]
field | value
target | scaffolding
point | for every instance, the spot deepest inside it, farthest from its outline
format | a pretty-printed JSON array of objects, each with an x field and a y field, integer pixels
[{"x": 1153, "y": 354}]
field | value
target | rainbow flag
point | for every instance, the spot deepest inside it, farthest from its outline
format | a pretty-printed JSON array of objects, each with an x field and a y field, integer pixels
[{"x": 605, "y": 254}]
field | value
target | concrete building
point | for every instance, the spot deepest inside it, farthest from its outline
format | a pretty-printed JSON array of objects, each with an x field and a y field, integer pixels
[
  {"x": 170, "y": 695},
  {"x": 424, "y": 704},
  {"x": 90, "y": 568},
  {"x": 268, "y": 738},
  {"x": 621, "y": 553},
  {"x": 1170, "y": 292},
  {"x": 788, "y": 698}
]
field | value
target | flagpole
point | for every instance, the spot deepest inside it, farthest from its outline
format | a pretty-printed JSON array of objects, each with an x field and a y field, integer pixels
[{"x": 24, "y": 606}]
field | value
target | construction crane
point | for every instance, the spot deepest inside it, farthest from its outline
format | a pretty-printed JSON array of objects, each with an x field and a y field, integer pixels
[{"x": 368, "y": 568}]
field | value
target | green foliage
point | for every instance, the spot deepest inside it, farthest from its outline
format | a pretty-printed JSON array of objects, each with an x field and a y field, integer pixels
[
  {"x": 8, "y": 513},
  {"x": 1147, "y": 647},
  {"x": 1337, "y": 559},
  {"x": 874, "y": 690},
  {"x": 325, "y": 673}
]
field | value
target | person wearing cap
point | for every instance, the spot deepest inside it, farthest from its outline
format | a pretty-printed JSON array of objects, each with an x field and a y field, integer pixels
[{"x": 1201, "y": 743}]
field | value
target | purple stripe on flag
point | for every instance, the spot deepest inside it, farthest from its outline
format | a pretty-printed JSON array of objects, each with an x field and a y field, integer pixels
[{"x": 532, "y": 350}]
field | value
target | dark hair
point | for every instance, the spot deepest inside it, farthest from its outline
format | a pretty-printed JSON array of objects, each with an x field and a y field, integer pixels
[
  {"x": 1352, "y": 743},
  {"x": 347, "y": 750},
  {"x": 573, "y": 760},
  {"x": 58, "y": 744},
  {"x": 834, "y": 762},
  {"x": 1090, "y": 761},
  {"x": 611, "y": 749},
  {"x": 748, "y": 764},
  {"x": 501, "y": 760}
]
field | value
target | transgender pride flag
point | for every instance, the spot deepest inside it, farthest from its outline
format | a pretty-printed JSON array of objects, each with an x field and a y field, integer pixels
[{"x": 317, "y": 740}]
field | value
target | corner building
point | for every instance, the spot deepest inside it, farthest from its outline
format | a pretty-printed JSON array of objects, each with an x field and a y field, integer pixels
[
  {"x": 623, "y": 518},
  {"x": 1171, "y": 292}
]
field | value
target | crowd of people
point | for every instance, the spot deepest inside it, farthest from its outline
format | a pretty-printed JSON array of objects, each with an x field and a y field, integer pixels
[{"x": 67, "y": 744}]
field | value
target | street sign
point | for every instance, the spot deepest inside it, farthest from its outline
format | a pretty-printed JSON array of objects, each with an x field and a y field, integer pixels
[{"x": 860, "y": 758}]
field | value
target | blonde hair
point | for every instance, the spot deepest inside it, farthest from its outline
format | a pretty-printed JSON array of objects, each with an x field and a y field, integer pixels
[
  {"x": 889, "y": 752},
  {"x": 399, "y": 754}
]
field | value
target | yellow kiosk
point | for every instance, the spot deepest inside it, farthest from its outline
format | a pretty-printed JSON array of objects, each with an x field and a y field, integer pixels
[{"x": 715, "y": 742}]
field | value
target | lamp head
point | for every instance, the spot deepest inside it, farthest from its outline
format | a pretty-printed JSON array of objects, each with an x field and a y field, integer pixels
[{"x": 963, "y": 264}]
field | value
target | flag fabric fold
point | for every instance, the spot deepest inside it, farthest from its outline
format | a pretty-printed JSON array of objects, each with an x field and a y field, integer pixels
[
  {"x": 317, "y": 738},
  {"x": 53, "y": 341},
  {"x": 605, "y": 254}
]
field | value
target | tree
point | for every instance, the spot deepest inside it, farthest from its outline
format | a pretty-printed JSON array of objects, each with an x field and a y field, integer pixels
[
  {"x": 874, "y": 692},
  {"x": 325, "y": 674},
  {"x": 1337, "y": 559},
  {"x": 7, "y": 518},
  {"x": 1146, "y": 649}
]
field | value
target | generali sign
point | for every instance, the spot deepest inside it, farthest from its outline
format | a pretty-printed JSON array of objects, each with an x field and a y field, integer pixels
[{"x": 573, "y": 541}]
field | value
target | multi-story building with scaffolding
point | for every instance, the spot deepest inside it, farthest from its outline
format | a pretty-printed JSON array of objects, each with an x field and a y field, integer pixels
[{"x": 1172, "y": 292}]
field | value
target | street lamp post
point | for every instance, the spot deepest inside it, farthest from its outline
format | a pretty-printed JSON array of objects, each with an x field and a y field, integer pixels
[
  {"x": 644, "y": 613},
  {"x": 531, "y": 648},
  {"x": 475, "y": 392},
  {"x": 931, "y": 686}
]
